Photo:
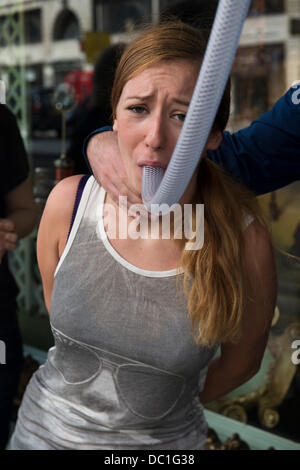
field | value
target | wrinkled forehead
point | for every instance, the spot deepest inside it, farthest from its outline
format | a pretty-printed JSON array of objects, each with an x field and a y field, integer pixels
[{"x": 177, "y": 76}]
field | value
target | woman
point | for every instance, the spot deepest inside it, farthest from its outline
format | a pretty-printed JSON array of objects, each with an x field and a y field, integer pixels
[{"x": 131, "y": 353}]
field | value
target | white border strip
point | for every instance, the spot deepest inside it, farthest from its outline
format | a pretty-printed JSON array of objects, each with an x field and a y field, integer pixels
[{"x": 2, "y": 92}]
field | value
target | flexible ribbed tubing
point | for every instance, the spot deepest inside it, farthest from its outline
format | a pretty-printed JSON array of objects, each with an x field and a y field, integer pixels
[{"x": 223, "y": 42}]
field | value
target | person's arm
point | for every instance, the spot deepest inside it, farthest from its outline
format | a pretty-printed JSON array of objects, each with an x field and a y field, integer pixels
[
  {"x": 266, "y": 155},
  {"x": 53, "y": 231},
  {"x": 103, "y": 153},
  {"x": 241, "y": 361},
  {"x": 21, "y": 216},
  {"x": 87, "y": 143}
]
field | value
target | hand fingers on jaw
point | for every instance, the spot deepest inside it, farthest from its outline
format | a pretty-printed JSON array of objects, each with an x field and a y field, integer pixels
[
  {"x": 119, "y": 191},
  {"x": 132, "y": 196},
  {"x": 115, "y": 182},
  {"x": 114, "y": 193},
  {"x": 116, "y": 176}
]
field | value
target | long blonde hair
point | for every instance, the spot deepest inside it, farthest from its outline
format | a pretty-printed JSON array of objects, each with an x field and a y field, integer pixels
[
  {"x": 214, "y": 276},
  {"x": 215, "y": 279}
]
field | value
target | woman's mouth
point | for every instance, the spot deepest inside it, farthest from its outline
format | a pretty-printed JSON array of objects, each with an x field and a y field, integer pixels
[{"x": 151, "y": 163}]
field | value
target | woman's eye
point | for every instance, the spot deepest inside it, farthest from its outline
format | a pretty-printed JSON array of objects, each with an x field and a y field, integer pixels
[
  {"x": 137, "y": 109},
  {"x": 179, "y": 116}
]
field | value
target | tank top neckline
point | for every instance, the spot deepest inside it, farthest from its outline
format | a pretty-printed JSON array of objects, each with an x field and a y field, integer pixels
[{"x": 119, "y": 258}]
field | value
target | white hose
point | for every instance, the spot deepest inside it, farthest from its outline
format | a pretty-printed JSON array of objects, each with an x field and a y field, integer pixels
[{"x": 223, "y": 42}]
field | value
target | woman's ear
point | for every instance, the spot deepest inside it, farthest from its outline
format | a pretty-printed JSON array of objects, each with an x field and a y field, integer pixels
[
  {"x": 214, "y": 140},
  {"x": 115, "y": 125}
]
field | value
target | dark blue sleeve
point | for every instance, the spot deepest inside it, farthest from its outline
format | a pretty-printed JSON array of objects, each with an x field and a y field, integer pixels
[
  {"x": 266, "y": 155},
  {"x": 96, "y": 131}
]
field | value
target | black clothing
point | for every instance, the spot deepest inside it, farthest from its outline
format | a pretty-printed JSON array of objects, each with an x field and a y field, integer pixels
[{"x": 14, "y": 170}]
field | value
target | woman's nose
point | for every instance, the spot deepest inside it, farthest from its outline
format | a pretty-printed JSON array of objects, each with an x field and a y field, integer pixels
[{"x": 155, "y": 137}]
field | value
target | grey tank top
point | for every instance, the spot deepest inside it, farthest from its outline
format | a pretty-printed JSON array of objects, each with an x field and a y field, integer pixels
[{"x": 125, "y": 372}]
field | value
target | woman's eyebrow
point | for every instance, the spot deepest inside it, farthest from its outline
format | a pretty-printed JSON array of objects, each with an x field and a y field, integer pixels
[
  {"x": 185, "y": 103},
  {"x": 145, "y": 97}
]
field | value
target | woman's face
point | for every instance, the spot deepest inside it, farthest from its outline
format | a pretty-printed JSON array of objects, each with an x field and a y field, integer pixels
[{"x": 150, "y": 114}]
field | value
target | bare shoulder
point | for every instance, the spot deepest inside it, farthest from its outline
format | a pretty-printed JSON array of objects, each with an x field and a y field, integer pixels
[
  {"x": 59, "y": 209},
  {"x": 61, "y": 199}
]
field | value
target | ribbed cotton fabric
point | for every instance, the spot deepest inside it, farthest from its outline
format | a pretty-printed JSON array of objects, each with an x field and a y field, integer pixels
[{"x": 125, "y": 372}]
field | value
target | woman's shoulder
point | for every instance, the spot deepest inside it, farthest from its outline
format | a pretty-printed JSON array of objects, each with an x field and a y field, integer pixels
[
  {"x": 57, "y": 216},
  {"x": 60, "y": 202},
  {"x": 67, "y": 185}
]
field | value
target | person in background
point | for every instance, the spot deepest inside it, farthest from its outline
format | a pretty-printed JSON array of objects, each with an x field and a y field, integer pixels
[
  {"x": 18, "y": 216},
  {"x": 264, "y": 156},
  {"x": 97, "y": 110}
]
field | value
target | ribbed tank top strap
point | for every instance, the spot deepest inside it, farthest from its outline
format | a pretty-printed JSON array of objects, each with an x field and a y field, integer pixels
[{"x": 83, "y": 194}]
